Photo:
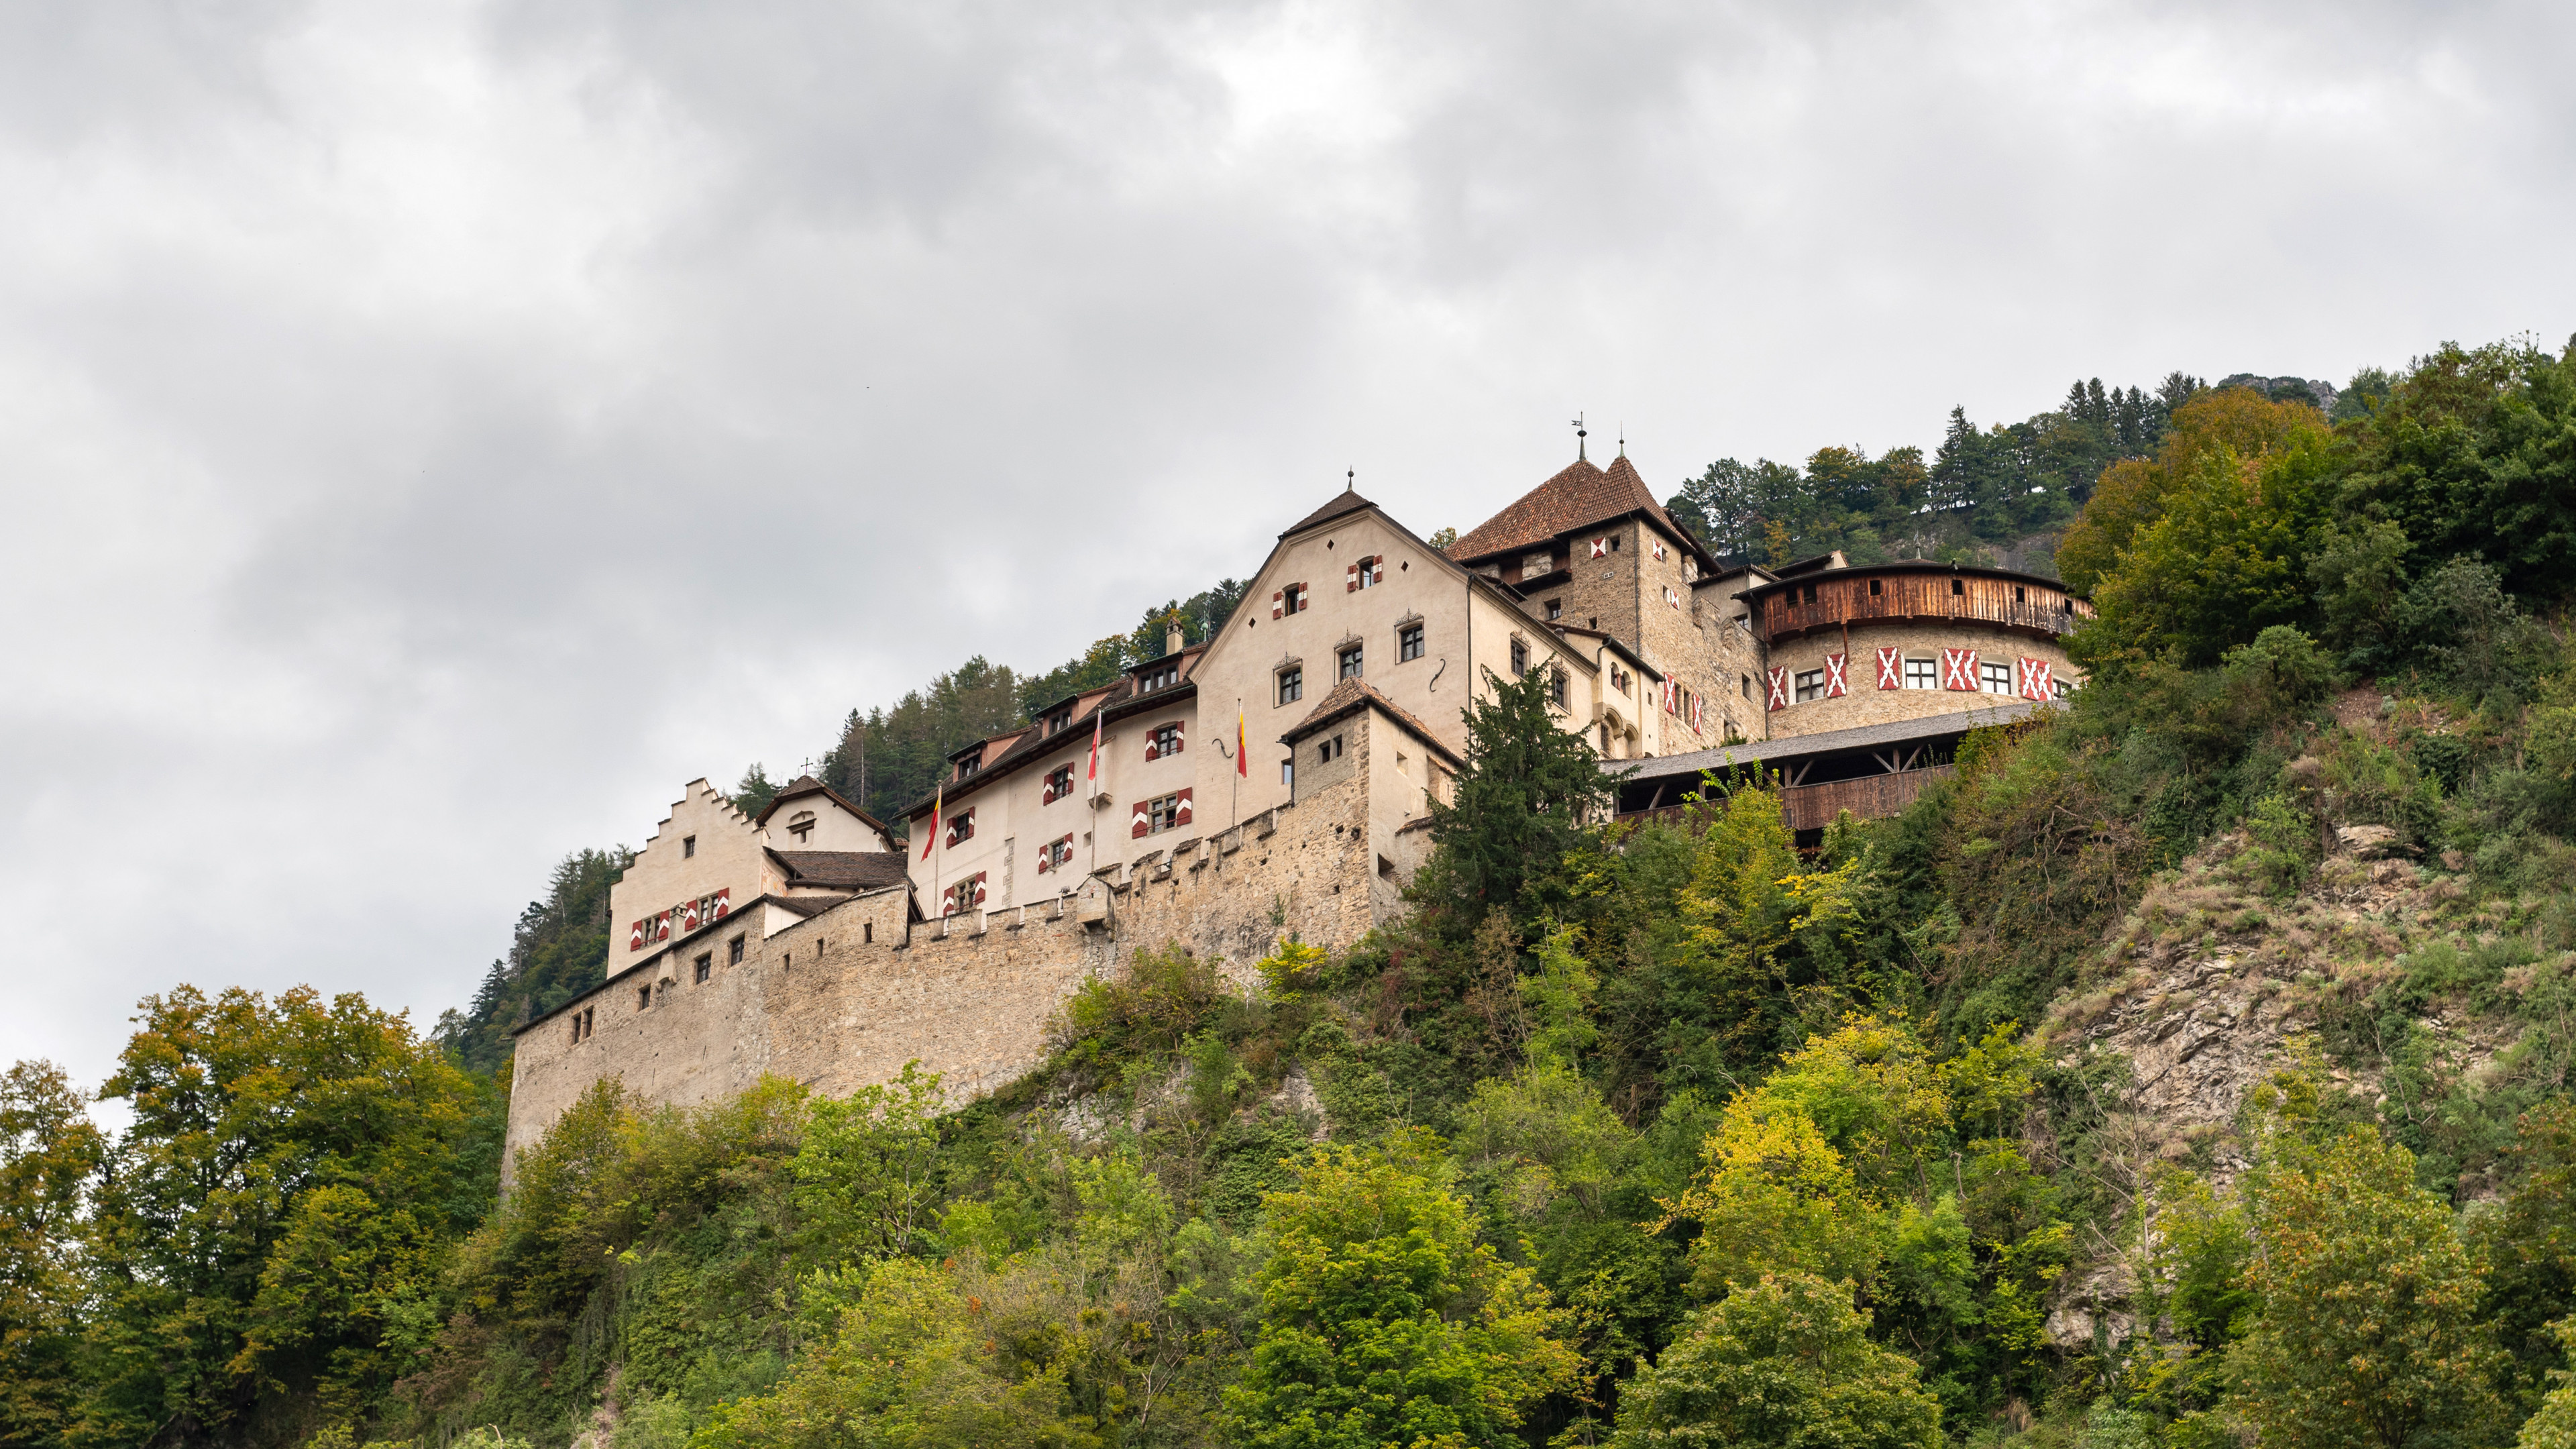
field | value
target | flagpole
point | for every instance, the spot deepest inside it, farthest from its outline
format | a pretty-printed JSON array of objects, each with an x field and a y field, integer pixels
[{"x": 1234, "y": 800}]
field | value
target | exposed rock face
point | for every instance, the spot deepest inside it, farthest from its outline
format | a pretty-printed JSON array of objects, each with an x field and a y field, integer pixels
[{"x": 2217, "y": 982}]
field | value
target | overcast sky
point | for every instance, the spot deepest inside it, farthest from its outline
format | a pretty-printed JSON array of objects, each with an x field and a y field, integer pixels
[{"x": 434, "y": 433}]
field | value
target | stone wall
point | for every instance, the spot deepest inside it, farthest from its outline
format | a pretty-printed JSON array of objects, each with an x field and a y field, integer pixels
[{"x": 844, "y": 999}]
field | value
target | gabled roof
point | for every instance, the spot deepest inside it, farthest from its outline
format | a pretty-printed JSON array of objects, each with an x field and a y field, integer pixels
[
  {"x": 1113, "y": 702},
  {"x": 1347, "y": 502},
  {"x": 805, "y": 785},
  {"x": 840, "y": 869},
  {"x": 1582, "y": 494},
  {"x": 1351, "y": 696}
]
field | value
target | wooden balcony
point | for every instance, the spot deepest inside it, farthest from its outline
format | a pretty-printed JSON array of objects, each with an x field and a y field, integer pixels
[
  {"x": 2017, "y": 602},
  {"x": 1813, "y": 807}
]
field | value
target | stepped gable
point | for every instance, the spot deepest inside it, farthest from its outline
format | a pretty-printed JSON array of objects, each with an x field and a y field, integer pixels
[
  {"x": 1584, "y": 494},
  {"x": 1347, "y": 502},
  {"x": 1348, "y": 697},
  {"x": 841, "y": 869}
]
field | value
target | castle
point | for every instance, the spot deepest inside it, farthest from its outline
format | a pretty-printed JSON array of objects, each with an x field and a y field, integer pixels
[{"x": 1273, "y": 779}]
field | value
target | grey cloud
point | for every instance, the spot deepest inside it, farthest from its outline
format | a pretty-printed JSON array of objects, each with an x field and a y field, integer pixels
[{"x": 434, "y": 434}]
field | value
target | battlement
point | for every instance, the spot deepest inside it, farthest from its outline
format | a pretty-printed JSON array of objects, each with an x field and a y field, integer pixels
[{"x": 844, "y": 998}]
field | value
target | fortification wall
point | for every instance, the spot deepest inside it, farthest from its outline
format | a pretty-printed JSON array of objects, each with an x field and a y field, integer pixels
[{"x": 844, "y": 999}]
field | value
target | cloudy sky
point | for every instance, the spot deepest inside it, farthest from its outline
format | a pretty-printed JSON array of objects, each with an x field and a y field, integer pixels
[{"x": 433, "y": 433}]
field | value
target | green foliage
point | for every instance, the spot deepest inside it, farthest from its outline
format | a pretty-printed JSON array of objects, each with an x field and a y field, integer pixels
[
  {"x": 1383, "y": 1320},
  {"x": 1519, "y": 808},
  {"x": 2369, "y": 1330},
  {"x": 558, "y": 950},
  {"x": 274, "y": 1210},
  {"x": 1785, "y": 1361},
  {"x": 49, "y": 1152},
  {"x": 866, "y": 1171}
]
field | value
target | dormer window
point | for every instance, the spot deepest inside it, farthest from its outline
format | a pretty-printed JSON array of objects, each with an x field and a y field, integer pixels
[
  {"x": 1160, "y": 676},
  {"x": 801, "y": 825},
  {"x": 1061, "y": 719},
  {"x": 969, "y": 765}
]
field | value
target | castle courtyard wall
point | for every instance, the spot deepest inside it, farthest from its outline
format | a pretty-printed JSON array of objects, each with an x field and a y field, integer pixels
[{"x": 845, "y": 998}]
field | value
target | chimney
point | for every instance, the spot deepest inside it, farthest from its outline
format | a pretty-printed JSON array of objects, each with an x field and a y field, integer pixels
[{"x": 1173, "y": 640}]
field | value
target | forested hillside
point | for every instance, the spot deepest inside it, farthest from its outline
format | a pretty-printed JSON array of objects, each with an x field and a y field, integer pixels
[{"x": 2190, "y": 1068}]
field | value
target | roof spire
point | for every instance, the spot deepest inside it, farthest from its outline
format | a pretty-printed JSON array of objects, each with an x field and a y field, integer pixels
[
  {"x": 1578, "y": 437},
  {"x": 1350, "y": 480},
  {"x": 1623, "y": 438}
]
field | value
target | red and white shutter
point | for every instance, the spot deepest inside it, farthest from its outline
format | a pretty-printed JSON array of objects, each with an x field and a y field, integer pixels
[
  {"x": 1778, "y": 685},
  {"x": 635, "y": 937},
  {"x": 1143, "y": 822},
  {"x": 724, "y": 902},
  {"x": 2034, "y": 679},
  {"x": 1959, "y": 669},
  {"x": 1276, "y": 606},
  {"x": 1699, "y": 710},
  {"x": 1046, "y": 857},
  {"x": 1891, "y": 666},
  {"x": 688, "y": 917},
  {"x": 1179, "y": 730},
  {"x": 1600, "y": 548},
  {"x": 1181, "y": 811},
  {"x": 1153, "y": 748},
  {"x": 1351, "y": 579},
  {"x": 1659, "y": 549},
  {"x": 978, "y": 886},
  {"x": 1835, "y": 664}
]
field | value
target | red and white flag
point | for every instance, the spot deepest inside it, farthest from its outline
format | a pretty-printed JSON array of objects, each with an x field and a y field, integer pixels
[
  {"x": 1093, "y": 774},
  {"x": 938, "y": 797}
]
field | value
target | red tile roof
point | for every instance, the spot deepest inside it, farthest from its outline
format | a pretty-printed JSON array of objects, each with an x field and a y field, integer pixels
[{"x": 1583, "y": 494}]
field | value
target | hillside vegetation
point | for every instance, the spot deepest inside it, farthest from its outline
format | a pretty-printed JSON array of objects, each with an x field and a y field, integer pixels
[{"x": 2189, "y": 1068}]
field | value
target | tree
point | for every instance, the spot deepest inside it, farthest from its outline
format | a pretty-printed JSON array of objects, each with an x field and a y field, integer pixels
[
  {"x": 1529, "y": 791},
  {"x": 2370, "y": 1329},
  {"x": 1785, "y": 1360},
  {"x": 1384, "y": 1320},
  {"x": 49, "y": 1151},
  {"x": 267, "y": 1217},
  {"x": 865, "y": 1169}
]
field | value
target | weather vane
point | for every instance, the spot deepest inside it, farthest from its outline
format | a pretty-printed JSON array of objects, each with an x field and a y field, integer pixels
[{"x": 1579, "y": 436}]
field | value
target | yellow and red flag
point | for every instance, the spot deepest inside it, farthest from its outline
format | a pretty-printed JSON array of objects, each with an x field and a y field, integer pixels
[{"x": 937, "y": 798}]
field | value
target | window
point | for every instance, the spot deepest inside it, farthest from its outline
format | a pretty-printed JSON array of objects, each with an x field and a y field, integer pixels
[
  {"x": 801, "y": 825},
  {"x": 1555, "y": 610},
  {"x": 1056, "y": 854},
  {"x": 1556, "y": 686},
  {"x": 1605, "y": 737},
  {"x": 688, "y": 847},
  {"x": 2060, "y": 688},
  {"x": 1160, "y": 676},
  {"x": 1520, "y": 658},
  {"x": 1288, "y": 773},
  {"x": 1923, "y": 673},
  {"x": 1998, "y": 678},
  {"x": 1059, "y": 784},
  {"x": 2017, "y": 595},
  {"x": 1164, "y": 740},
  {"x": 1958, "y": 588},
  {"x": 1061, "y": 719},
  {"x": 643, "y": 998},
  {"x": 1350, "y": 662},
  {"x": 970, "y": 764},
  {"x": 1292, "y": 685},
  {"x": 1807, "y": 595},
  {"x": 733, "y": 952},
  {"x": 706, "y": 967},
  {"x": 1294, "y": 598},
  {"x": 867, "y": 932},
  {"x": 1327, "y": 751},
  {"x": 1873, "y": 588},
  {"x": 1408, "y": 643},
  {"x": 1164, "y": 813},
  {"x": 961, "y": 828},
  {"x": 1811, "y": 685},
  {"x": 1620, "y": 679},
  {"x": 1368, "y": 573},
  {"x": 1745, "y": 688}
]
